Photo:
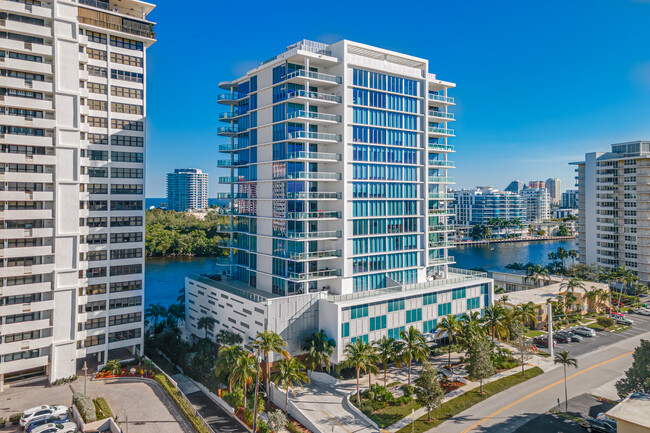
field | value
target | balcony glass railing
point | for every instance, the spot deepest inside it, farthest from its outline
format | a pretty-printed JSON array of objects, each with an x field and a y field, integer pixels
[
  {"x": 313, "y": 235},
  {"x": 313, "y": 136},
  {"x": 313, "y": 115},
  {"x": 231, "y": 195},
  {"x": 441, "y": 130},
  {"x": 441, "y": 114},
  {"x": 314, "y": 155},
  {"x": 95, "y": 3},
  {"x": 231, "y": 147},
  {"x": 441, "y": 244},
  {"x": 229, "y": 163},
  {"x": 441, "y": 212},
  {"x": 313, "y": 275},
  {"x": 230, "y": 96},
  {"x": 443, "y": 147},
  {"x": 439, "y": 228},
  {"x": 313, "y": 215},
  {"x": 229, "y": 179},
  {"x": 228, "y": 115},
  {"x": 313, "y": 195},
  {"x": 315, "y": 255},
  {"x": 314, "y": 95},
  {"x": 227, "y": 130},
  {"x": 314, "y": 175},
  {"x": 437, "y": 163},
  {"x": 441, "y": 98},
  {"x": 441, "y": 260},
  {"x": 440, "y": 179},
  {"x": 144, "y": 30},
  {"x": 314, "y": 75},
  {"x": 440, "y": 195}
]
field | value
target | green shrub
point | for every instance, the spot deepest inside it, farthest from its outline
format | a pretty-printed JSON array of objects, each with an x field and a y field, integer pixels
[
  {"x": 292, "y": 428},
  {"x": 605, "y": 322},
  {"x": 102, "y": 408},
  {"x": 248, "y": 416},
  {"x": 262, "y": 427},
  {"x": 85, "y": 406},
  {"x": 408, "y": 390},
  {"x": 235, "y": 398},
  {"x": 15, "y": 418},
  {"x": 405, "y": 399}
]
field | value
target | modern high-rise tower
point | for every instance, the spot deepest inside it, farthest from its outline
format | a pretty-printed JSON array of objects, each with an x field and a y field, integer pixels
[
  {"x": 339, "y": 160},
  {"x": 72, "y": 115},
  {"x": 554, "y": 187},
  {"x": 187, "y": 188}
]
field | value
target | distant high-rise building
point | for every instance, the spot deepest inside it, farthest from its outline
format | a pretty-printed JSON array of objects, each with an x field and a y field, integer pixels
[
  {"x": 515, "y": 186},
  {"x": 536, "y": 184},
  {"x": 478, "y": 206},
  {"x": 554, "y": 187},
  {"x": 73, "y": 111},
  {"x": 613, "y": 190},
  {"x": 538, "y": 204},
  {"x": 187, "y": 188},
  {"x": 570, "y": 199}
]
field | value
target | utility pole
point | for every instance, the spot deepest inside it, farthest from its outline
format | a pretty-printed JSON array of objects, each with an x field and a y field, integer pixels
[
  {"x": 85, "y": 369},
  {"x": 549, "y": 318},
  {"x": 257, "y": 386}
]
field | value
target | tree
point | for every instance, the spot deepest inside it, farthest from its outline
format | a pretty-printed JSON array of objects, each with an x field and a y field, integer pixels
[
  {"x": 566, "y": 360},
  {"x": 277, "y": 420},
  {"x": 480, "y": 364},
  {"x": 524, "y": 346},
  {"x": 155, "y": 311},
  {"x": 206, "y": 323},
  {"x": 536, "y": 274},
  {"x": 605, "y": 322},
  {"x": 493, "y": 317},
  {"x": 385, "y": 351},
  {"x": 268, "y": 342},
  {"x": 562, "y": 231},
  {"x": 451, "y": 325},
  {"x": 226, "y": 358},
  {"x": 428, "y": 392},
  {"x": 637, "y": 377},
  {"x": 571, "y": 285},
  {"x": 175, "y": 313},
  {"x": 243, "y": 371},
  {"x": 470, "y": 328},
  {"x": 527, "y": 313},
  {"x": 361, "y": 356},
  {"x": 319, "y": 349},
  {"x": 414, "y": 347},
  {"x": 574, "y": 255},
  {"x": 227, "y": 338},
  {"x": 290, "y": 372}
]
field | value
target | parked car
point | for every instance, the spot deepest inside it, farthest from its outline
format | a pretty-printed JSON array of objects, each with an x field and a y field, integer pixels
[
  {"x": 643, "y": 311},
  {"x": 569, "y": 335},
  {"x": 623, "y": 320},
  {"x": 599, "y": 425},
  {"x": 68, "y": 427},
  {"x": 542, "y": 340},
  {"x": 561, "y": 337},
  {"x": 42, "y": 412},
  {"x": 30, "y": 426},
  {"x": 584, "y": 331}
]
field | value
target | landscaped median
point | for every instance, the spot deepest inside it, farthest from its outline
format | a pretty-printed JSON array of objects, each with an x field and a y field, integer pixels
[{"x": 461, "y": 403}]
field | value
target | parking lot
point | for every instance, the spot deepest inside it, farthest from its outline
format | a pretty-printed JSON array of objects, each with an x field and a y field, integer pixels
[{"x": 604, "y": 338}]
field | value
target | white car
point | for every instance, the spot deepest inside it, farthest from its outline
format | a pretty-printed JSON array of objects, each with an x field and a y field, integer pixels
[
  {"x": 41, "y": 412},
  {"x": 66, "y": 427},
  {"x": 584, "y": 331},
  {"x": 643, "y": 311}
]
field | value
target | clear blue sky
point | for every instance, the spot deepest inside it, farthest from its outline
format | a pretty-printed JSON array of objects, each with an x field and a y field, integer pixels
[{"x": 538, "y": 83}]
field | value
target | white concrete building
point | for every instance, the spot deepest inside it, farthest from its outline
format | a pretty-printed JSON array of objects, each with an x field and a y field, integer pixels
[
  {"x": 480, "y": 205},
  {"x": 187, "y": 188},
  {"x": 554, "y": 187},
  {"x": 72, "y": 112},
  {"x": 339, "y": 161},
  {"x": 614, "y": 191},
  {"x": 538, "y": 204}
]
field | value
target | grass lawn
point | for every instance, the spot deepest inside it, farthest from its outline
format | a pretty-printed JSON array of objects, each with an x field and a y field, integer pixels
[
  {"x": 464, "y": 401},
  {"x": 595, "y": 326},
  {"x": 392, "y": 414},
  {"x": 566, "y": 415},
  {"x": 534, "y": 333}
]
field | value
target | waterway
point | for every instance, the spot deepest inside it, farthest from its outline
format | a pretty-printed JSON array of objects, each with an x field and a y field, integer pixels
[{"x": 164, "y": 277}]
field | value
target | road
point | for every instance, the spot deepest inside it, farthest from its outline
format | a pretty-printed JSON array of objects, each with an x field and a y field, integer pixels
[{"x": 522, "y": 403}]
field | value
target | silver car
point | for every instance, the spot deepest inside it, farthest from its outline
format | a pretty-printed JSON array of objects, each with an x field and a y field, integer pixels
[
  {"x": 41, "y": 412},
  {"x": 584, "y": 331}
]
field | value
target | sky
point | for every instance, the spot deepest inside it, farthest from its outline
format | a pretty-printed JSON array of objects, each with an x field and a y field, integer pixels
[{"x": 539, "y": 84}]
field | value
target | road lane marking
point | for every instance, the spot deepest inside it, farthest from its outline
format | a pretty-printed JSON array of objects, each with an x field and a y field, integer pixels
[
  {"x": 327, "y": 414},
  {"x": 547, "y": 387}
]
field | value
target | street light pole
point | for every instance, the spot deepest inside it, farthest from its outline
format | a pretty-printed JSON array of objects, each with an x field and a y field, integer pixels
[
  {"x": 549, "y": 317},
  {"x": 257, "y": 386},
  {"x": 85, "y": 369}
]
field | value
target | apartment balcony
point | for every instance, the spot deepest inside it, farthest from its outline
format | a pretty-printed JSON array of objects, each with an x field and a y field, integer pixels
[
  {"x": 441, "y": 115},
  {"x": 231, "y": 179},
  {"x": 314, "y": 156},
  {"x": 23, "y": 364},
  {"x": 225, "y": 148},
  {"x": 314, "y": 137},
  {"x": 314, "y": 117},
  {"x": 37, "y": 49},
  {"x": 228, "y": 131},
  {"x": 443, "y": 132},
  {"x": 314, "y": 175},
  {"x": 231, "y": 195},
  {"x": 441, "y": 179},
  {"x": 140, "y": 32},
  {"x": 314, "y": 215},
  {"x": 313, "y": 195},
  {"x": 441, "y": 99},
  {"x": 440, "y": 229},
  {"x": 227, "y": 163},
  {"x": 441, "y": 196},
  {"x": 323, "y": 80},
  {"x": 229, "y": 116},
  {"x": 441, "y": 261},
  {"x": 439, "y": 212},
  {"x": 314, "y": 255},
  {"x": 314, "y": 235},
  {"x": 444, "y": 164},
  {"x": 229, "y": 98},
  {"x": 315, "y": 98},
  {"x": 441, "y": 244},
  {"x": 441, "y": 147},
  {"x": 315, "y": 275}
]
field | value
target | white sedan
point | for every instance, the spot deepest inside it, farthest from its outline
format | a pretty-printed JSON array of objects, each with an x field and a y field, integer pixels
[
  {"x": 66, "y": 427},
  {"x": 41, "y": 412}
]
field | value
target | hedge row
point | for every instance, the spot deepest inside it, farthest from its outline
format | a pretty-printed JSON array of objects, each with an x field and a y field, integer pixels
[
  {"x": 102, "y": 408},
  {"x": 185, "y": 408}
]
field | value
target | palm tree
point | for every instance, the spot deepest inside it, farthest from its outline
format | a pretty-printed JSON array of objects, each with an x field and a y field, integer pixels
[
  {"x": 564, "y": 359},
  {"x": 527, "y": 313},
  {"x": 175, "y": 313},
  {"x": 451, "y": 325},
  {"x": 319, "y": 348},
  {"x": 361, "y": 356},
  {"x": 206, "y": 323},
  {"x": 536, "y": 274},
  {"x": 226, "y": 357},
  {"x": 290, "y": 372},
  {"x": 267, "y": 342},
  {"x": 562, "y": 254},
  {"x": 113, "y": 366},
  {"x": 470, "y": 328},
  {"x": 574, "y": 255},
  {"x": 493, "y": 317},
  {"x": 414, "y": 347},
  {"x": 243, "y": 371},
  {"x": 155, "y": 311},
  {"x": 571, "y": 285},
  {"x": 385, "y": 351}
]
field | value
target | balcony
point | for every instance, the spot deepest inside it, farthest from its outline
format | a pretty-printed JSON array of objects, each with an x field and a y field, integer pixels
[
  {"x": 440, "y": 260},
  {"x": 142, "y": 32},
  {"x": 231, "y": 147},
  {"x": 301, "y": 76},
  {"x": 231, "y": 195},
  {"x": 315, "y": 275},
  {"x": 227, "y": 163},
  {"x": 441, "y": 244},
  {"x": 440, "y": 179},
  {"x": 441, "y": 147},
  {"x": 229, "y": 98},
  {"x": 441, "y": 98},
  {"x": 436, "y": 163},
  {"x": 440, "y": 228},
  {"x": 313, "y": 195},
  {"x": 314, "y": 117},
  {"x": 441, "y": 115},
  {"x": 231, "y": 179},
  {"x": 441, "y": 196},
  {"x": 314, "y": 235},
  {"x": 314, "y": 255},
  {"x": 314, "y": 215},
  {"x": 321, "y": 156},
  {"x": 440, "y": 212},
  {"x": 314, "y": 175},
  {"x": 228, "y": 116},
  {"x": 441, "y": 131},
  {"x": 228, "y": 131},
  {"x": 313, "y": 136},
  {"x": 315, "y": 97}
]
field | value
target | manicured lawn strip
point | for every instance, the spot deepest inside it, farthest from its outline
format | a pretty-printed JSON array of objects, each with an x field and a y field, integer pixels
[
  {"x": 534, "y": 333},
  {"x": 464, "y": 401},
  {"x": 392, "y": 414}
]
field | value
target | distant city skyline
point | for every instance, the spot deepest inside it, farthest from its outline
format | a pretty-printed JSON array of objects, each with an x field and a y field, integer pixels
[{"x": 526, "y": 105}]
